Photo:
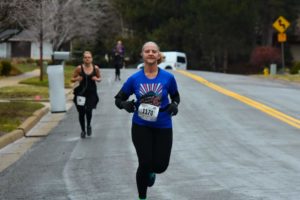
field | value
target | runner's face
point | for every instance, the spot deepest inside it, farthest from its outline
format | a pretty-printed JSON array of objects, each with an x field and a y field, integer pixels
[
  {"x": 87, "y": 58},
  {"x": 150, "y": 54}
]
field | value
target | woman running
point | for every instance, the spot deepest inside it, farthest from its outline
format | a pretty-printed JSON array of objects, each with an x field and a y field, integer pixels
[
  {"x": 152, "y": 119},
  {"x": 85, "y": 95}
]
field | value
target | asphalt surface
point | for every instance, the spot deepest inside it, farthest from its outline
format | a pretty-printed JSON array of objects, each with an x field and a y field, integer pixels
[{"x": 223, "y": 149}]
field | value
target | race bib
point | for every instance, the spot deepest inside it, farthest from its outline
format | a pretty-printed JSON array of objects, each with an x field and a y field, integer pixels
[
  {"x": 80, "y": 100},
  {"x": 148, "y": 112}
]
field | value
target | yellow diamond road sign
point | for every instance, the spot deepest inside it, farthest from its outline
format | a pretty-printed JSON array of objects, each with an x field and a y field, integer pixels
[{"x": 281, "y": 24}]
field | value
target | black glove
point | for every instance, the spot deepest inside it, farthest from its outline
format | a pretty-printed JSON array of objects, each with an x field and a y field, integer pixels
[
  {"x": 128, "y": 106},
  {"x": 172, "y": 108}
]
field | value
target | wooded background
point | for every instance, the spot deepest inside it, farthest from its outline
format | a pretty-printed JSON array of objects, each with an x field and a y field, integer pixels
[{"x": 216, "y": 35}]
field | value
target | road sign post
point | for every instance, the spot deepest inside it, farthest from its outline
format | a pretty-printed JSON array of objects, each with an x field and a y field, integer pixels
[
  {"x": 282, "y": 57},
  {"x": 281, "y": 25},
  {"x": 281, "y": 37}
]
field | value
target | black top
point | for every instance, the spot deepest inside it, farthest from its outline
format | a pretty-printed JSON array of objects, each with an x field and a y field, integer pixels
[
  {"x": 87, "y": 84},
  {"x": 87, "y": 88}
]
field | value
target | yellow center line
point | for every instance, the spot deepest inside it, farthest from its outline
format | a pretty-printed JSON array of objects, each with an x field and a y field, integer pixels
[{"x": 266, "y": 109}]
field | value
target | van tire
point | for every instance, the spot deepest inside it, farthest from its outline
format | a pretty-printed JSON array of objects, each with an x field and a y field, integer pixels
[{"x": 168, "y": 67}]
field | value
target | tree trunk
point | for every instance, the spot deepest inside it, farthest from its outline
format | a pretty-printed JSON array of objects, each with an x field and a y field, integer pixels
[
  {"x": 41, "y": 56},
  {"x": 41, "y": 39},
  {"x": 225, "y": 60},
  {"x": 269, "y": 34},
  {"x": 213, "y": 61}
]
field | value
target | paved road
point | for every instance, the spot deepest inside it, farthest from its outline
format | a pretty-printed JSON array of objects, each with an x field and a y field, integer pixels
[{"x": 223, "y": 149}]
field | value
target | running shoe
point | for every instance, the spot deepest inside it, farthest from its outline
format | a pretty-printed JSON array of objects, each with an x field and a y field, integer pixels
[
  {"x": 82, "y": 134},
  {"x": 89, "y": 131},
  {"x": 151, "y": 179}
]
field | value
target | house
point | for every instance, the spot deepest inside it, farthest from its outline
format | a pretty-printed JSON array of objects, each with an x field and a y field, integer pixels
[
  {"x": 5, "y": 48},
  {"x": 22, "y": 44}
]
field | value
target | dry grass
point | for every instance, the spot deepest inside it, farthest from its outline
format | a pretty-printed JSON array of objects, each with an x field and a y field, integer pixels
[
  {"x": 285, "y": 77},
  {"x": 23, "y": 92},
  {"x": 14, "y": 113}
]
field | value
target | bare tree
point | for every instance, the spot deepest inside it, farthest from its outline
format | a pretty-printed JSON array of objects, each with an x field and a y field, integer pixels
[
  {"x": 58, "y": 21},
  {"x": 76, "y": 18},
  {"x": 4, "y": 15},
  {"x": 7, "y": 19}
]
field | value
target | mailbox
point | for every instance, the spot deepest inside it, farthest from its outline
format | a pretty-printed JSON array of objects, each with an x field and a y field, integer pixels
[
  {"x": 57, "y": 82},
  {"x": 61, "y": 55}
]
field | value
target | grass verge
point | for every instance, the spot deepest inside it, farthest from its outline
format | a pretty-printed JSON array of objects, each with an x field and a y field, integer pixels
[
  {"x": 284, "y": 77},
  {"x": 24, "y": 96},
  {"x": 14, "y": 114},
  {"x": 68, "y": 71},
  {"x": 24, "y": 92},
  {"x": 27, "y": 67}
]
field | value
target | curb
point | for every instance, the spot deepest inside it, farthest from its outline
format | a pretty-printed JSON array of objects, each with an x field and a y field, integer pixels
[
  {"x": 23, "y": 128},
  {"x": 31, "y": 121},
  {"x": 10, "y": 137}
]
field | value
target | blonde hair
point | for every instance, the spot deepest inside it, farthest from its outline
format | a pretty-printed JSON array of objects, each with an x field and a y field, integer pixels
[
  {"x": 150, "y": 42},
  {"x": 161, "y": 59},
  {"x": 87, "y": 52},
  {"x": 161, "y": 55}
]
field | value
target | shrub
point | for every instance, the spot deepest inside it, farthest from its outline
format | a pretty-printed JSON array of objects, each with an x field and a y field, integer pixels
[
  {"x": 30, "y": 60},
  {"x": 295, "y": 68},
  {"x": 264, "y": 56},
  {"x": 15, "y": 61},
  {"x": 6, "y": 67},
  {"x": 15, "y": 71}
]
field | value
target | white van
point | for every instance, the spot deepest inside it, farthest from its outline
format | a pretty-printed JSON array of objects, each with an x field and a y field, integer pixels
[{"x": 172, "y": 60}]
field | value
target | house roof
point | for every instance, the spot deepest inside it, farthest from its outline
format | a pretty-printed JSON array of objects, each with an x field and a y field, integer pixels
[
  {"x": 7, "y": 34},
  {"x": 25, "y": 35}
]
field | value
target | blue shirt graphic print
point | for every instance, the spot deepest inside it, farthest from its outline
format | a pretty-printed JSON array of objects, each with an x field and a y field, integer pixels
[
  {"x": 151, "y": 93},
  {"x": 154, "y": 91}
]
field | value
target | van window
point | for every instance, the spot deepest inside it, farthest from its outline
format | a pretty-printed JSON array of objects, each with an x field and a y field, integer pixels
[{"x": 180, "y": 59}]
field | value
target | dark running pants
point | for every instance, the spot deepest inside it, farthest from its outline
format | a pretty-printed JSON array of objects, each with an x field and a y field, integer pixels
[
  {"x": 117, "y": 72},
  {"x": 83, "y": 112},
  {"x": 153, "y": 147}
]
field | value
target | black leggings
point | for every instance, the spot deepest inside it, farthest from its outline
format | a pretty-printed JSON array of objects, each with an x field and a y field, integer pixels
[
  {"x": 117, "y": 71},
  {"x": 153, "y": 147},
  {"x": 84, "y": 112}
]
